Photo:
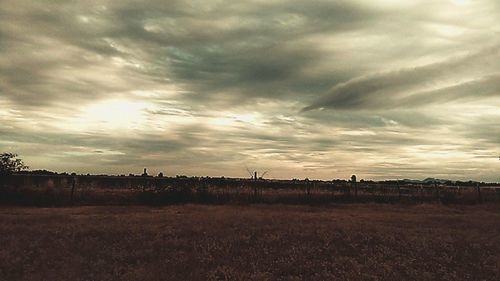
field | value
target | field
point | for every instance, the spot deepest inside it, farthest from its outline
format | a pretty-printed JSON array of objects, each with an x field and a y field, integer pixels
[{"x": 251, "y": 242}]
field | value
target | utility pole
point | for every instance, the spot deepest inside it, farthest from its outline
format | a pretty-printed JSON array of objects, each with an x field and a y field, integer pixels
[{"x": 145, "y": 175}]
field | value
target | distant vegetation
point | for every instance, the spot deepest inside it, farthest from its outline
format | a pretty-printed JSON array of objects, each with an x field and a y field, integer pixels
[{"x": 46, "y": 188}]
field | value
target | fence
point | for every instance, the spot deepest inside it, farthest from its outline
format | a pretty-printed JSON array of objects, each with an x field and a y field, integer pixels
[{"x": 67, "y": 189}]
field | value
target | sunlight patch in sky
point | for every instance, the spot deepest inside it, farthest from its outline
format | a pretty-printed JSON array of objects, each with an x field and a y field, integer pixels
[{"x": 114, "y": 115}]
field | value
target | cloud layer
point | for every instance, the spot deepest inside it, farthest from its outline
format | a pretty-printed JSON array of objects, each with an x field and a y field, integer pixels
[{"x": 318, "y": 89}]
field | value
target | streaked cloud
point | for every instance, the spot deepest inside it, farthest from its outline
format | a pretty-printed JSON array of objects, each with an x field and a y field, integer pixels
[{"x": 382, "y": 89}]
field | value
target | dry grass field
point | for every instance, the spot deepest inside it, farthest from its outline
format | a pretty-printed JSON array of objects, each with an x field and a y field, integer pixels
[{"x": 254, "y": 242}]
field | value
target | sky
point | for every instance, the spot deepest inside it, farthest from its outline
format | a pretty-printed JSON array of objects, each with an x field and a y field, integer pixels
[{"x": 382, "y": 89}]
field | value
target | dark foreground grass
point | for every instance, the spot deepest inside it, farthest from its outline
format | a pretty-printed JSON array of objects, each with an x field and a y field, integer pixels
[{"x": 260, "y": 242}]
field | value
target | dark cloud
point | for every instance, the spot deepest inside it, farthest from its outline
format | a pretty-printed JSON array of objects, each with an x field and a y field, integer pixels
[
  {"x": 303, "y": 88},
  {"x": 401, "y": 88},
  {"x": 210, "y": 47}
]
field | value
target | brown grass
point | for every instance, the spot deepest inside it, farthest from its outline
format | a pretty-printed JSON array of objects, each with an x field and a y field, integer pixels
[{"x": 260, "y": 242}]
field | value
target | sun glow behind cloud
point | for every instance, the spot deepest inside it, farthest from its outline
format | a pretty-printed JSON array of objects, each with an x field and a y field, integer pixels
[{"x": 109, "y": 116}]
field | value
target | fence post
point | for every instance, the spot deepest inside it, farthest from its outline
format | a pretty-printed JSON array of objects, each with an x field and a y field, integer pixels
[
  {"x": 255, "y": 195},
  {"x": 308, "y": 191},
  {"x": 438, "y": 194},
  {"x": 479, "y": 197},
  {"x": 347, "y": 190},
  {"x": 399, "y": 190},
  {"x": 73, "y": 182}
]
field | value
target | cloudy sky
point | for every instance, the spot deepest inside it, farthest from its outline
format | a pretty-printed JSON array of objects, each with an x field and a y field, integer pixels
[{"x": 321, "y": 89}]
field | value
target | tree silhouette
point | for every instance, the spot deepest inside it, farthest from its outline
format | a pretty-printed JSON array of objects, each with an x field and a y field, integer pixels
[{"x": 10, "y": 163}]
